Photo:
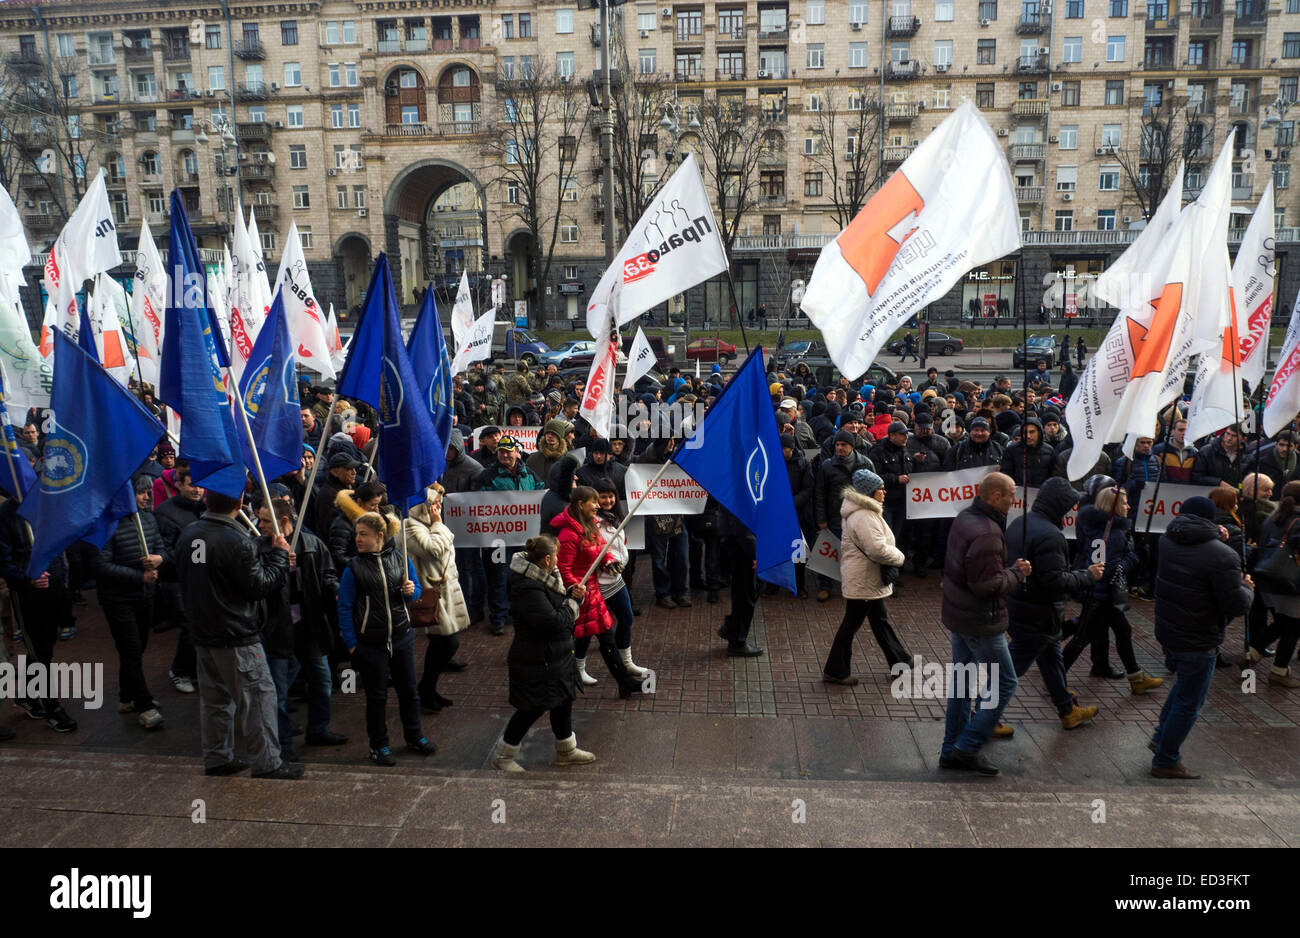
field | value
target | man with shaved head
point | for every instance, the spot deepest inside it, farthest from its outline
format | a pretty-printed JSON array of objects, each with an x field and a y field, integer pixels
[{"x": 976, "y": 577}]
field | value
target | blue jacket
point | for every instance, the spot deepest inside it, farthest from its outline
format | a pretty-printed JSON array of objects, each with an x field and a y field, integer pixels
[{"x": 348, "y": 600}]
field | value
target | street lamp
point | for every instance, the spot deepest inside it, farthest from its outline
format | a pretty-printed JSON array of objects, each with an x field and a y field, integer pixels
[{"x": 222, "y": 128}]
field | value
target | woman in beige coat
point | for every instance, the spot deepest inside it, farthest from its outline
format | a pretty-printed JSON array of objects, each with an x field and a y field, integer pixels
[
  {"x": 432, "y": 552},
  {"x": 867, "y": 545}
]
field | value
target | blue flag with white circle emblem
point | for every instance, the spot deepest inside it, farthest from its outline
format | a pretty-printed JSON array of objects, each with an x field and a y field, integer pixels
[
  {"x": 269, "y": 388},
  {"x": 735, "y": 456},
  {"x": 431, "y": 363},
  {"x": 101, "y": 436},
  {"x": 378, "y": 371}
]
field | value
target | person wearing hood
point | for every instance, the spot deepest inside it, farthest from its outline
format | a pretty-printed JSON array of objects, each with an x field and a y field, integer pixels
[
  {"x": 507, "y": 474},
  {"x": 559, "y": 487},
  {"x": 832, "y": 477},
  {"x": 351, "y": 505},
  {"x": 619, "y": 446},
  {"x": 884, "y": 416},
  {"x": 1069, "y": 380},
  {"x": 866, "y": 548},
  {"x": 601, "y": 464},
  {"x": 461, "y": 475},
  {"x": 1199, "y": 588},
  {"x": 1036, "y": 612},
  {"x": 823, "y": 420},
  {"x": 800, "y": 474},
  {"x": 1031, "y": 448},
  {"x": 1285, "y": 605},
  {"x": 550, "y": 447}
]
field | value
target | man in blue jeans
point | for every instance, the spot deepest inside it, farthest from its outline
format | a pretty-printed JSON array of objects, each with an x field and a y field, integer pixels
[
  {"x": 975, "y": 580},
  {"x": 1199, "y": 589}
]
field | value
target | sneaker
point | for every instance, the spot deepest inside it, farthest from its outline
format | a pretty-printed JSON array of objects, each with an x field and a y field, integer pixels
[
  {"x": 290, "y": 771},
  {"x": 68, "y": 633},
  {"x": 424, "y": 746},
  {"x": 128, "y": 706},
  {"x": 383, "y": 756},
  {"x": 34, "y": 708},
  {"x": 59, "y": 720},
  {"x": 230, "y": 768},
  {"x": 183, "y": 684},
  {"x": 151, "y": 719}
]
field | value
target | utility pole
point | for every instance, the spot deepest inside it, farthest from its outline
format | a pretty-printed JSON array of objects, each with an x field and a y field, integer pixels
[{"x": 607, "y": 135}]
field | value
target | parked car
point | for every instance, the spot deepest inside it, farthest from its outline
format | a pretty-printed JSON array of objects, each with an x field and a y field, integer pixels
[
  {"x": 711, "y": 350},
  {"x": 663, "y": 353},
  {"x": 648, "y": 382},
  {"x": 818, "y": 360},
  {"x": 1028, "y": 353},
  {"x": 937, "y": 343},
  {"x": 575, "y": 354}
]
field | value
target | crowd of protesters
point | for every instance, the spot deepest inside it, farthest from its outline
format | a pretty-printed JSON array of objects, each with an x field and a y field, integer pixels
[{"x": 333, "y": 576}]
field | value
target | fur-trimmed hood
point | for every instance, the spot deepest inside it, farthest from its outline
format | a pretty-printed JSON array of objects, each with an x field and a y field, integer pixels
[
  {"x": 855, "y": 501},
  {"x": 348, "y": 507}
]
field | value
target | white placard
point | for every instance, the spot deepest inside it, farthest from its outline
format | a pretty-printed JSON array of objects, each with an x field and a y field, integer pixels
[
  {"x": 675, "y": 493},
  {"x": 484, "y": 519},
  {"x": 824, "y": 558}
]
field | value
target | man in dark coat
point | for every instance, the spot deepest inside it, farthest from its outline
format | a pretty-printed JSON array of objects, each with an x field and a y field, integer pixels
[
  {"x": 601, "y": 464},
  {"x": 1199, "y": 588},
  {"x": 800, "y": 474},
  {"x": 1036, "y": 612},
  {"x": 978, "y": 449},
  {"x": 1040, "y": 456},
  {"x": 740, "y": 548},
  {"x": 975, "y": 579},
  {"x": 828, "y": 484},
  {"x": 461, "y": 475},
  {"x": 1221, "y": 462},
  {"x": 174, "y": 516},
  {"x": 342, "y": 476},
  {"x": 893, "y": 463},
  {"x": 1279, "y": 462},
  {"x": 928, "y": 450}
]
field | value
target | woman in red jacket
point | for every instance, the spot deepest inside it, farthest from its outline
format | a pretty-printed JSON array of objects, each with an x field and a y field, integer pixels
[{"x": 580, "y": 545}]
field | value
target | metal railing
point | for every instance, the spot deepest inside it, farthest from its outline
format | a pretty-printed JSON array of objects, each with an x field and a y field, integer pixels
[
  {"x": 249, "y": 49},
  {"x": 1029, "y": 151},
  {"x": 896, "y": 111},
  {"x": 902, "y": 26}
]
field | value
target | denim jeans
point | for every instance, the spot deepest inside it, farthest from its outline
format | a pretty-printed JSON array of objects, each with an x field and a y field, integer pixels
[
  {"x": 320, "y": 684},
  {"x": 284, "y": 671},
  {"x": 497, "y": 586},
  {"x": 1194, "y": 671},
  {"x": 964, "y": 732},
  {"x": 671, "y": 557}
]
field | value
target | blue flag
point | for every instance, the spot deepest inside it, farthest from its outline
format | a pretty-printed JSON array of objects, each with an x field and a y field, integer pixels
[
  {"x": 411, "y": 455},
  {"x": 269, "y": 388},
  {"x": 735, "y": 456},
  {"x": 17, "y": 476},
  {"x": 101, "y": 436},
  {"x": 85, "y": 333},
  {"x": 190, "y": 380},
  {"x": 432, "y": 365}
]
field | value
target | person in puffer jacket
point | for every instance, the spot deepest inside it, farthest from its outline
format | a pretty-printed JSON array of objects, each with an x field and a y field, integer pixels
[
  {"x": 580, "y": 543},
  {"x": 1040, "y": 457},
  {"x": 1199, "y": 587},
  {"x": 559, "y": 488},
  {"x": 376, "y": 628},
  {"x": 1036, "y": 611}
]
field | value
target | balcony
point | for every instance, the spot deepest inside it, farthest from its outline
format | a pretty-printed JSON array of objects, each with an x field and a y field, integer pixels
[
  {"x": 456, "y": 128},
  {"x": 902, "y": 71},
  {"x": 101, "y": 56},
  {"x": 781, "y": 242},
  {"x": 25, "y": 61},
  {"x": 265, "y": 213},
  {"x": 1029, "y": 195},
  {"x": 251, "y": 91},
  {"x": 771, "y": 74},
  {"x": 139, "y": 52},
  {"x": 1250, "y": 16},
  {"x": 1029, "y": 151},
  {"x": 30, "y": 180},
  {"x": 1158, "y": 61},
  {"x": 1245, "y": 61},
  {"x": 1029, "y": 107},
  {"x": 1031, "y": 24},
  {"x": 143, "y": 96},
  {"x": 734, "y": 34},
  {"x": 1162, "y": 24},
  {"x": 388, "y": 46},
  {"x": 257, "y": 172},
  {"x": 249, "y": 49},
  {"x": 1205, "y": 17},
  {"x": 40, "y": 221},
  {"x": 729, "y": 74},
  {"x": 182, "y": 94},
  {"x": 253, "y": 132},
  {"x": 901, "y": 26},
  {"x": 772, "y": 200},
  {"x": 772, "y": 115},
  {"x": 688, "y": 74},
  {"x": 176, "y": 52},
  {"x": 406, "y": 130},
  {"x": 774, "y": 35},
  {"x": 900, "y": 112},
  {"x": 1031, "y": 65},
  {"x": 897, "y": 154},
  {"x": 469, "y": 43},
  {"x": 442, "y": 43}
]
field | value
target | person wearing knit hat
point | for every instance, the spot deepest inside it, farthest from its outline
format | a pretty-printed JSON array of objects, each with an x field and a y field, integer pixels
[
  {"x": 866, "y": 547},
  {"x": 891, "y": 459}
]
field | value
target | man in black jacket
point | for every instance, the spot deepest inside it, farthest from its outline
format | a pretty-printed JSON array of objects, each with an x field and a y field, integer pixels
[
  {"x": 173, "y": 516},
  {"x": 225, "y": 581},
  {"x": 342, "y": 475},
  {"x": 1221, "y": 462},
  {"x": 1199, "y": 588},
  {"x": 1039, "y": 459},
  {"x": 127, "y": 574},
  {"x": 741, "y": 549},
  {"x": 1036, "y": 611},
  {"x": 977, "y": 449},
  {"x": 893, "y": 463},
  {"x": 832, "y": 476},
  {"x": 928, "y": 450}
]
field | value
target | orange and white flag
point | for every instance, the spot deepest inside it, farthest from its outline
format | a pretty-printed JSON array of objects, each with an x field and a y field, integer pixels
[
  {"x": 950, "y": 207},
  {"x": 149, "y": 305},
  {"x": 306, "y": 321},
  {"x": 1252, "y": 286}
]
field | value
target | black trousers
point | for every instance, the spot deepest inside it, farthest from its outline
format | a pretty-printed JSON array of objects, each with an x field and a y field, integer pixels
[
  {"x": 561, "y": 723},
  {"x": 43, "y": 613},
  {"x": 838, "y": 662},
  {"x": 1286, "y": 631},
  {"x": 437, "y": 654},
  {"x": 1103, "y": 618},
  {"x": 129, "y": 623},
  {"x": 744, "y": 591}
]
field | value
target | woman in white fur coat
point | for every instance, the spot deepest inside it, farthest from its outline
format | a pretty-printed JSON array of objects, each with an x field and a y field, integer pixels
[
  {"x": 430, "y": 546},
  {"x": 867, "y": 545}
]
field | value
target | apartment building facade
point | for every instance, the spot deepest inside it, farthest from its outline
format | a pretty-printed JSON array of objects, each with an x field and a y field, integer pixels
[{"x": 372, "y": 124}]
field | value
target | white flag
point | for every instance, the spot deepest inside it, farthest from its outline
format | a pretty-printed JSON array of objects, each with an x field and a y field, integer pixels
[
  {"x": 217, "y": 298},
  {"x": 1283, "y": 401},
  {"x": 462, "y": 313},
  {"x": 640, "y": 360},
  {"x": 27, "y": 373},
  {"x": 149, "y": 305},
  {"x": 674, "y": 245},
  {"x": 15, "y": 254},
  {"x": 479, "y": 345},
  {"x": 1127, "y": 281},
  {"x": 105, "y": 306},
  {"x": 87, "y": 245},
  {"x": 949, "y": 208},
  {"x": 306, "y": 325},
  {"x": 249, "y": 295},
  {"x": 597, "y": 406},
  {"x": 337, "y": 352},
  {"x": 1252, "y": 289}
]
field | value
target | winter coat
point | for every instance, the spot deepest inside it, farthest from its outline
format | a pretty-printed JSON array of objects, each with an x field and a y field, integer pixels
[
  {"x": 1254, "y": 512},
  {"x": 1178, "y": 462},
  {"x": 372, "y": 607},
  {"x": 1120, "y": 554},
  {"x": 497, "y": 478},
  {"x": 1040, "y": 605},
  {"x": 326, "y": 499},
  {"x": 975, "y": 575},
  {"x": 1041, "y": 462},
  {"x": 574, "y": 558},
  {"x": 342, "y": 535},
  {"x": 892, "y": 461},
  {"x": 935, "y": 447},
  {"x": 1061, "y": 462},
  {"x": 314, "y": 589},
  {"x": 966, "y": 454},
  {"x": 119, "y": 571},
  {"x": 800, "y": 474},
  {"x": 866, "y": 545},
  {"x": 1269, "y": 464},
  {"x": 224, "y": 580},
  {"x": 828, "y": 486},
  {"x": 1198, "y": 586},
  {"x": 804, "y": 436},
  {"x": 559, "y": 489},
  {"x": 164, "y": 487},
  {"x": 540, "y": 462},
  {"x": 432, "y": 550},
  {"x": 175, "y": 515},
  {"x": 1136, "y": 473},
  {"x": 1213, "y": 465},
  {"x": 612, "y": 470},
  {"x": 542, "y": 669},
  {"x": 461, "y": 470},
  {"x": 879, "y": 428}
]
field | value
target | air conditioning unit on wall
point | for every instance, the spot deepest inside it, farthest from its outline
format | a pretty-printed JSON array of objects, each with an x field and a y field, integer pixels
[{"x": 361, "y": 213}]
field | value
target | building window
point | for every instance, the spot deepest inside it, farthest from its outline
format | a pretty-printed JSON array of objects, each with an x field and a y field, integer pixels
[
  {"x": 942, "y": 99},
  {"x": 563, "y": 21},
  {"x": 1074, "y": 9},
  {"x": 1114, "y": 48},
  {"x": 1111, "y": 134},
  {"x": 771, "y": 184},
  {"x": 1064, "y": 220},
  {"x": 410, "y": 114},
  {"x": 268, "y": 242},
  {"x": 294, "y": 115},
  {"x": 288, "y": 32},
  {"x": 1105, "y": 219},
  {"x": 525, "y": 26},
  {"x": 335, "y": 73},
  {"x": 984, "y": 94},
  {"x": 65, "y": 46},
  {"x": 1293, "y": 6},
  {"x": 568, "y": 234},
  {"x": 350, "y": 74},
  {"x": 354, "y": 115},
  {"x": 1108, "y": 179},
  {"x": 1072, "y": 50},
  {"x": 151, "y": 163},
  {"x": 1119, "y": 7},
  {"x": 157, "y": 204},
  {"x": 816, "y": 55},
  {"x": 646, "y": 21},
  {"x": 1069, "y": 137},
  {"x": 304, "y": 234},
  {"x": 985, "y": 50},
  {"x": 341, "y": 197},
  {"x": 1067, "y": 178},
  {"x": 857, "y": 55},
  {"x": 771, "y": 226},
  {"x": 857, "y": 11},
  {"x": 512, "y": 193},
  {"x": 943, "y": 52},
  {"x": 647, "y": 59},
  {"x": 1114, "y": 92},
  {"x": 943, "y": 11},
  {"x": 1284, "y": 136},
  {"x": 812, "y": 144},
  {"x": 301, "y": 198},
  {"x": 1241, "y": 51},
  {"x": 212, "y": 37},
  {"x": 564, "y": 64},
  {"x": 217, "y": 77},
  {"x": 508, "y": 26},
  {"x": 815, "y": 12},
  {"x": 292, "y": 74},
  {"x": 1281, "y": 176},
  {"x": 69, "y": 85},
  {"x": 298, "y": 157},
  {"x": 336, "y": 116},
  {"x": 812, "y": 184},
  {"x": 988, "y": 9}
]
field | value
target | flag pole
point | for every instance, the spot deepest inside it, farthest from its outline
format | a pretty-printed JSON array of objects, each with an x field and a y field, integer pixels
[
  {"x": 139, "y": 529},
  {"x": 740, "y": 313},
  {"x": 311, "y": 482},
  {"x": 608, "y": 543},
  {"x": 252, "y": 444},
  {"x": 1024, "y": 430}
]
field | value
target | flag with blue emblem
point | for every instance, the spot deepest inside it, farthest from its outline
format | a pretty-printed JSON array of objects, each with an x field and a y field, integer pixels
[
  {"x": 190, "y": 379},
  {"x": 735, "y": 456},
  {"x": 17, "y": 478},
  {"x": 432, "y": 365},
  {"x": 378, "y": 371},
  {"x": 101, "y": 436},
  {"x": 269, "y": 388}
]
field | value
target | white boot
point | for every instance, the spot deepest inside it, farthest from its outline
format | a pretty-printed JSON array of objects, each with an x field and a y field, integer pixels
[
  {"x": 568, "y": 753},
  {"x": 634, "y": 670},
  {"x": 587, "y": 679},
  {"x": 503, "y": 757}
]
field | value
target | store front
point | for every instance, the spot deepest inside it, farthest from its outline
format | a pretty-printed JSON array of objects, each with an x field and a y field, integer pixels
[{"x": 989, "y": 293}]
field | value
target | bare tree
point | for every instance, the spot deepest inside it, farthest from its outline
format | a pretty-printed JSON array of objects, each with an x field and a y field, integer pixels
[
  {"x": 1176, "y": 131},
  {"x": 535, "y": 145},
  {"x": 731, "y": 145},
  {"x": 847, "y": 130},
  {"x": 638, "y": 107}
]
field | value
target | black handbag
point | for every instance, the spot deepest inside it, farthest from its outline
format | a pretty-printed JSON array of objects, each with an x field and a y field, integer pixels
[{"x": 1277, "y": 567}]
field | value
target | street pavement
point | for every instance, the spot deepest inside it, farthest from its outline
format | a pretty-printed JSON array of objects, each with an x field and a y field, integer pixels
[{"x": 726, "y": 751}]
